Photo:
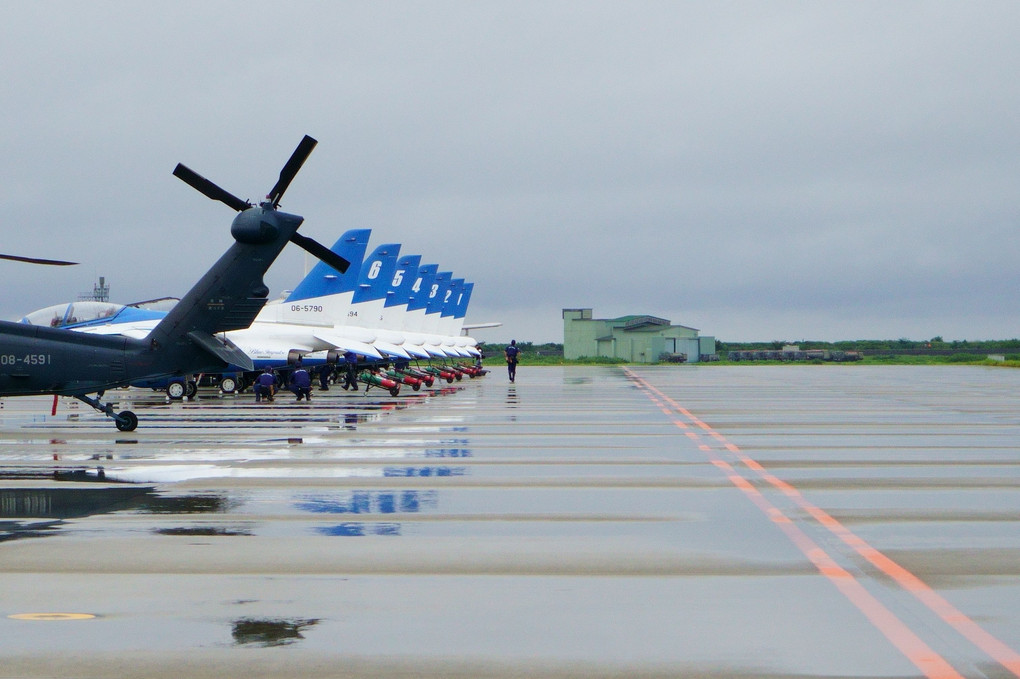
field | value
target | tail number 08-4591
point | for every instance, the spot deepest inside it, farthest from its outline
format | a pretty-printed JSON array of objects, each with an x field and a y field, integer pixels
[{"x": 27, "y": 359}]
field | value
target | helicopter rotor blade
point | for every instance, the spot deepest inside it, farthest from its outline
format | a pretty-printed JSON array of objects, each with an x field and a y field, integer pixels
[
  {"x": 207, "y": 188},
  {"x": 36, "y": 260},
  {"x": 320, "y": 251},
  {"x": 297, "y": 159}
]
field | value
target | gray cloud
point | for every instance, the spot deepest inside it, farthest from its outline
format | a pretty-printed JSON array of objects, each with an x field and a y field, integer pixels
[{"x": 759, "y": 171}]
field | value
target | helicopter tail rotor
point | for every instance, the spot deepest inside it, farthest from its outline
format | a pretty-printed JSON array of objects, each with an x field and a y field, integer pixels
[
  {"x": 209, "y": 189},
  {"x": 317, "y": 249},
  {"x": 287, "y": 174},
  {"x": 297, "y": 159}
]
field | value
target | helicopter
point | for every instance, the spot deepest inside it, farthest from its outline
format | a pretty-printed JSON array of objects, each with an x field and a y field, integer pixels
[{"x": 37, "y": 360}]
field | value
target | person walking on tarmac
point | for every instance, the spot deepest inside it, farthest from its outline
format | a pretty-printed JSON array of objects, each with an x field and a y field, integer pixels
[
  {"x": 301, "y": 383},
  {"x": 512, "y": 353},
  {"x": 325, "y": 371},
  {"x": 351, "y": 371},
  {"x": 265, "y": 385}
]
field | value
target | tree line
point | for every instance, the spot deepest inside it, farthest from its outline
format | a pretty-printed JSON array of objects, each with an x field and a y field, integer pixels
[
  {"x": 935, "y": 346},
  {"x": 550, "y": 349}
]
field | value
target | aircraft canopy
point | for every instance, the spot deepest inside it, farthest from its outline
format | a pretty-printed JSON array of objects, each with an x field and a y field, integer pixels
[{"x": 86, "y": 313}]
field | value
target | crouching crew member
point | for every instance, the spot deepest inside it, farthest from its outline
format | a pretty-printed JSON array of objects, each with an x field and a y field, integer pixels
[
  {"x": 265, "y": 385},
  {"x": 301, "y": 383}
]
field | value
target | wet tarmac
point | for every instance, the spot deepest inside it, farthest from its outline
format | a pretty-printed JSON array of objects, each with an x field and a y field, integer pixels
[{"x": 706, "y": 521}]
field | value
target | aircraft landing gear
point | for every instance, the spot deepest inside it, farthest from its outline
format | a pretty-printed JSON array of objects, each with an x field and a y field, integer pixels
[
  {"x": 125, "y": 419},
  {"x": 178, "y": 390}
]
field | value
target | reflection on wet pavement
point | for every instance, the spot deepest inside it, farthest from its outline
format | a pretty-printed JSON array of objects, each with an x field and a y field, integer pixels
[
  {"x": 190, "y": 531},
  {"x": 23, "y": 507},
  {"x": 78, "y": 494},
  {"x": 264, "y": 633},
  {"x": 356, "y": 529},
  {"x": 370, "y": 502}
]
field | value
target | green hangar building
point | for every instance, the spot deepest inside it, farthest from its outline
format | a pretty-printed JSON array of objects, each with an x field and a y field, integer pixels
[{"x": 638, "y": 339}]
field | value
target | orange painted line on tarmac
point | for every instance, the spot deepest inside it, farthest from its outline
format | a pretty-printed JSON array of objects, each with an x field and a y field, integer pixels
[
  {"x": 970, "y": 630},
  {"x": 930, "y": 663},
  {"x": 952, "y": 616}
]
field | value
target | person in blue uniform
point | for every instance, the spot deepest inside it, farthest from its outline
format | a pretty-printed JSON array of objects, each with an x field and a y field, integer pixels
[
  {"x": 350, "y": 371},
  {"x": 325, "y": 372},
  {"x": 265, "y": 385},
  {"x": 301, "y": 383},
  {"x": 512, "y": 353}
]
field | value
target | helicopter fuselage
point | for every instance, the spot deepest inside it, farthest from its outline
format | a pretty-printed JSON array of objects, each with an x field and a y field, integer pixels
[{"x": 39, "y": 360}]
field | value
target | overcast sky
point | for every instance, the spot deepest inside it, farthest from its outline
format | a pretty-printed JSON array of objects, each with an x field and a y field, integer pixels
[{"x": 757, "y": 170}]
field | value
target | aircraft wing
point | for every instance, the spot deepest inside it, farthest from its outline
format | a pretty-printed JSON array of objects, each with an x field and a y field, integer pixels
[
  {"x": 416, "y": 350},
  {"x": 347, "y": 344},
  {"x": 262, "y": 349},
  {"x": 435, "y": 350},
  {"x": 124, "y": 329},
  {"x": 391, "y": 349}
]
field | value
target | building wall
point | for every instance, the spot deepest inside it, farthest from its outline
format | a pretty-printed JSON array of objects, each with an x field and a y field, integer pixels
[
  {"x": 584, "y": 335},
  {"x": 580, "y": 332}
]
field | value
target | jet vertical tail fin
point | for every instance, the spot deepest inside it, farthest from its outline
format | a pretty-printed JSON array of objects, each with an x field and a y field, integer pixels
[
  {"x": 324, "y": 293},
  {"x": 323, "y": 280},
  {"x": 373, "y": 282}
]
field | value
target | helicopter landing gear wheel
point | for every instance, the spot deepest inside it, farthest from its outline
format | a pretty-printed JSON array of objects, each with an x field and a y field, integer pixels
[
  {"x": 176, "y": 390},
  {"x": 126, "y": 421},
  {"x": 192, "y": 389},
  {"x": 228, "y": 385}
]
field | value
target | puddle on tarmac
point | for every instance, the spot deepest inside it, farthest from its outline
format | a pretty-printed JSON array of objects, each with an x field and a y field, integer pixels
[
  {"x": 27, "y": 511},
  {"x": 268, "y": 632},
  {"x": 204, "y": 531}
]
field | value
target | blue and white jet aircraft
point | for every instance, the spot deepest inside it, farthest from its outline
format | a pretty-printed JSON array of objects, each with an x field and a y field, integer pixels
[{"x": 388, "y": 308}]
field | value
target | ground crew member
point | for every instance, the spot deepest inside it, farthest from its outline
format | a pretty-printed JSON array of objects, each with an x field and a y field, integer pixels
[
  {"x": 325, "y": 371},
  {"x": 265, "y": 385},
  {"x": 351, "y": 373},
  {"x": 301, "y": 383},
  {"x": 511, "y": 353}
]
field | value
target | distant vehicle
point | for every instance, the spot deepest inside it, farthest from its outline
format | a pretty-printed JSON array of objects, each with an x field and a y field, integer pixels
[{"x": 39, "y": 359}]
